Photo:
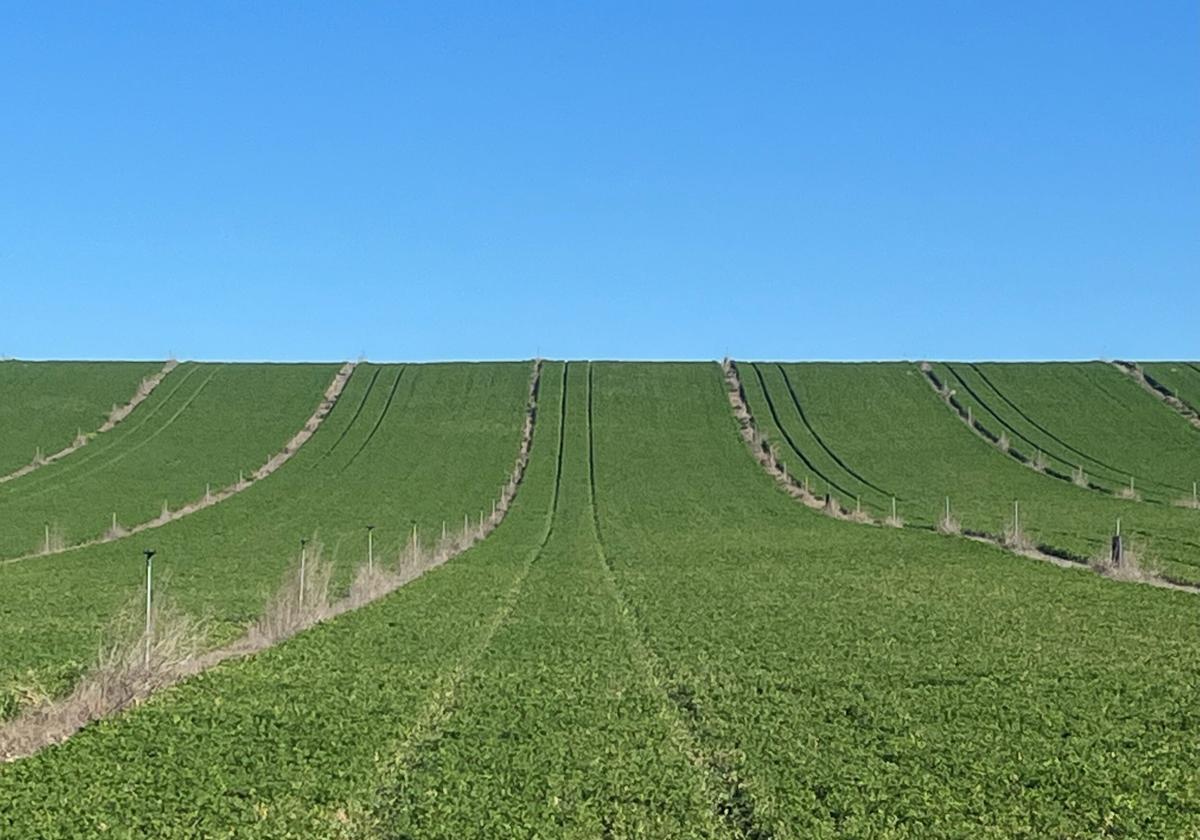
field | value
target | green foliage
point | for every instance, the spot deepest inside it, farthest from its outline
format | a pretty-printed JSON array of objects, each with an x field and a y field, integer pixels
[
  {"x": 886, "y": 422},
  {"x": 1087, "y": 415},
  {"x": 423, "y": 443},
  {"x": 875, "y": 682},
  {"x": 1181, "y": 378},
  {"x": 657, "y": 642},
  {"x": 202, "y": 426},
  {"x": 46, "y": 404}
]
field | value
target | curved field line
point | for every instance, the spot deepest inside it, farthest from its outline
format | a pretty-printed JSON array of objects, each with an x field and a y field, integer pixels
[
  {"x": 739, "y": 816},
  {"x": 1041, "y": 551},
  {"x": 92, "y": 453},
  {"x": 964, "y": 413},
  {"x": 43, "y": 726},
  {"x": 353, "y": 418},
  {"x": 1049, "y": 471},
  {"x": 123, "y": 452},
  {"x": 443, "y": 693},
  {"x": 118, "y": 414},
  {"x": 1038, "y": 425},
  {"x": 273, "y": 463},
  {"x": 379, "y": 420},
  {"x": 788, "y": 437},
  {"x": 799, "y": 410}
]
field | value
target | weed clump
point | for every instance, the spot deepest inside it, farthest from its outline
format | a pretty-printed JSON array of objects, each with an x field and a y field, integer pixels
[
  {"x": 1134, "y": 567},
  {"x": 131, "y": 665}
]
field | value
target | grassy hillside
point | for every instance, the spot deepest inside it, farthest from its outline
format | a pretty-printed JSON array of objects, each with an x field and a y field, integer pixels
[
  {"x": 1085, "y": 415},
  {"x": 201, "y": 427},
  {"x": 655, "y": 643},
  {"x": 885, "y": 421},
  {"x": 44, "y": 405},
  {"x": 296, "y": 741},
  {"x": 404, "y": 446},
  {"x": 1182, "y": 378},
  {"x": 874, "y": 682}
]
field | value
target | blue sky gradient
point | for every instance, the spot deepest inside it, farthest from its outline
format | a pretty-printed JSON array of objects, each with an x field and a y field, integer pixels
[{"x": 613, "y": 180}]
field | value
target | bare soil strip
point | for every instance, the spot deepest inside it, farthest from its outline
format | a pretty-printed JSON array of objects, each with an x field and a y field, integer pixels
[
  {"x": 124, "y": 678},
  {"x": 118, "y": 413},
  {"x": 354, "y": 418},
  {"x": 1160, "y": 391},
  {"x": 213, "y": 498},
  {"x": 1031, "y": 421},
  {"x": 1013, "y": 544}
]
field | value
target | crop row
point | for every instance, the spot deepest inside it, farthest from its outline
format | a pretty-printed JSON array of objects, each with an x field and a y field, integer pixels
[
  {"x": 201, "y": 429},
  {"x": 885, "y": 420},
  {"x": 440, "y": 444},
  {"x": 46, "y": 405}
]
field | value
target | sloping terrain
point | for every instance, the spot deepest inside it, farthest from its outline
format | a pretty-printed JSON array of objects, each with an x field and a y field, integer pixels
[
  {"x": 886, "y": 421},
  {"x": 405, "y": 446},
  {"x": 657, "y": 642},
  {"x": 1087, "y": 416},
  {"x": 201, "y": 429},
  {"x": 44, "y": 405},
  {"x": 1180, "y": 378}
]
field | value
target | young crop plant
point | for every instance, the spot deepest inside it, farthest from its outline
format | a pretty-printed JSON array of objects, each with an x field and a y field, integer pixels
[
  {"x": 441, "y": 448},
  {"x": 51, "y": 409}
]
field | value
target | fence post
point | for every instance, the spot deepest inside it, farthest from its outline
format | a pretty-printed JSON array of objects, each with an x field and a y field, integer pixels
[
  {"x": 303, "y": 560},
  {"x": 149, "y": 619},
  {"x": 1118, "y": 550},
  {"x": 370, "y": 549}
]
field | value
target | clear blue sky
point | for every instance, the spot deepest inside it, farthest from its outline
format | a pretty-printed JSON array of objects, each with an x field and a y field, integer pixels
[{"x": 616, "y": 180}]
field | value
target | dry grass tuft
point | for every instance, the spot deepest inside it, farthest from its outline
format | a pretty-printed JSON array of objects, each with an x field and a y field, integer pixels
[
  {"x": 948, "y": 524},
  {"x": 300, "y": 601},
  {"x": 1079, "y": 478},
  {"x": 1128, "y": 493},
  {"x": 1040, "y": 462},
  {"x": 1015, "y": 539},
  {"x": 53, "y": 540},
  {"x": 121, "y": 676},
  {"x": 894, "y": 522},
  {"x": 1003, "y": 442},
  {"x": 1134, "y": 567}
]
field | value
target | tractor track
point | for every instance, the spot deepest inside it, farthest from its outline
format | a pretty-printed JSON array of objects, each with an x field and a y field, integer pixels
[
  {"x": 1028, "y": 419},
  {"x": 821, "y": 441},
  {"x": 378, "y": 421},
  {"x": 93, "y": 452},
  {"x": 123, "y": 452},
  {"x": 443, "y": 694},
  {"x": 353, "y": 417},
  {"x": 788, "y": 437},
  {"x": 723, "y": 787}
]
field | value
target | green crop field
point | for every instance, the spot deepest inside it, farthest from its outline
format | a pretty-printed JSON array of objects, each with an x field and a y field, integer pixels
[
  {"x": 201, "y": 428},
  {"x": 404, "y": 446},
  {"x": 44, "y": 405},
  {"x": 1181, "y": 378},
  {"x": 1088, "y": 416},
  {"x": 656, "y": 641},
  {"x": 891, "y": 435}
]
